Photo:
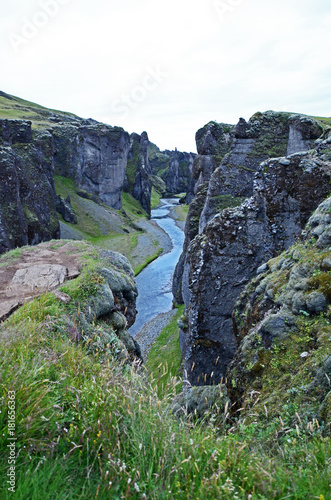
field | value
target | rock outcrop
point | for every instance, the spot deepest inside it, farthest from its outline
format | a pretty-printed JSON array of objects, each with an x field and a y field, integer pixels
[
  {"x": 323, "y": 146},
  {"x": 282, "y": 327},
  {"x": 142, "y": 186},
  {"x": 64, "y": 208},
  {"x": 102, "y": 301},
  {"x": 138, "y": 178},
  {"x": 217, "y": 260},
  {"x": 265, "y": 135},
  {"x": 173, "y": 167},
  {"x": 95, "y": 157},
  {"x": 178, "y": 176},
  {"x": 92, "y": 154},
  {"x": 213, "y": 142},
  {"x": 168, "y": 172},
  {"x": 227, "y": 254},
  {"x": 27, "y": 193}
]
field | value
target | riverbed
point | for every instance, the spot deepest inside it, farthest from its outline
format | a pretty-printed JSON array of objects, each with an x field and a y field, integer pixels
[{"x": 155, "y": 281}]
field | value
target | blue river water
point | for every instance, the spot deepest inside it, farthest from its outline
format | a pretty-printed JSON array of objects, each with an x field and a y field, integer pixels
[{"x": 155, "y": 281}]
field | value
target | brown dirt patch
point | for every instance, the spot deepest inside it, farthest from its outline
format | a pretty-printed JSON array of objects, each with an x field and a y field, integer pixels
[{"x": 62, "y": 253}]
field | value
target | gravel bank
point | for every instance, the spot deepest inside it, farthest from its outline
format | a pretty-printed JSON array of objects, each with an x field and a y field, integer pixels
[
  {"x": 150, "y": 332},
  {"x": 180, "y": 223},
  {"x": 149, "y": 242}
]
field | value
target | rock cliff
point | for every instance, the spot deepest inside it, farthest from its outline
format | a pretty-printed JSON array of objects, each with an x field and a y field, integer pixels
[
  {"x": 282, "y": 328},
  {"x": 95, "y": 157},
  {"x": 265, "y": 135},
  {"x": 138, "y": 180},
  {"x": 173, "y": 167},
  {"x": 92, "y": 154},
  {"x": 101, "y": 160},
  {"x": 178, "y": 176},
  {"x": 213, "y": 142},
  {"x": 232, "y": 243},
  {"x": 27, "y": 193}
]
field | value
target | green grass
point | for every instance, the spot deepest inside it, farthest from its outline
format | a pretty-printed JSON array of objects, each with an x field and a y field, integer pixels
[
  {"x": 182, "y": 211},
  {"x": 86, "y": 223},
  {"x": 132, "y": 206},
  {"x": 87, "y": 428},
  {"x": 155, "y": 198},
  {"x": 148, "y": 260},
  {"x": 165, "y": 356},
  {"x": 324, "y": 121},
  {"x": 126, "y": 219},
  {"x": 16, "y": 108},
  {"x": 89, "y": 227},
  {"x": 90, "y": 427}
]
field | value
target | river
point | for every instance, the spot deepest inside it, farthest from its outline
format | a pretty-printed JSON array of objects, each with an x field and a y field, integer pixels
[{"x": 155, "y": 281}]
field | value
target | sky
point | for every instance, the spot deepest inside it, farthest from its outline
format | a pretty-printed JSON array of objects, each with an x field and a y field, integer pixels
[{"x": 168, "y": 67}]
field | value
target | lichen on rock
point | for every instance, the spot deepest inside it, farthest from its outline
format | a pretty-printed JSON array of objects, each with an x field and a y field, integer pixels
[
  {"x": 282, "y": 327},
  {"x": 233, "y": 245}
]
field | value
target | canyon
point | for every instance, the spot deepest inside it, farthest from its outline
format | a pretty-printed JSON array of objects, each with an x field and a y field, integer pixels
[{"x": 255, "y": 190}]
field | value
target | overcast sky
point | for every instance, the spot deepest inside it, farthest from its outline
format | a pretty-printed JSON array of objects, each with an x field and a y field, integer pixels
[{"x": 168, "y": 67}]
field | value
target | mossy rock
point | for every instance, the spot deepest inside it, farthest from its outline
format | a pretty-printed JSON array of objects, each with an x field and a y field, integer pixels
[{"x": 198, "y": 402}]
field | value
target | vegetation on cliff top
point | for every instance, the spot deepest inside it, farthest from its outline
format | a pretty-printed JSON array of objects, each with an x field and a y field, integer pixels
[{"x": 15, "y": 108}]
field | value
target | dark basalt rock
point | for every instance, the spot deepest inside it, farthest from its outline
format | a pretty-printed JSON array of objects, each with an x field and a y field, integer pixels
[
  {"x": 27, "y": 193},
  {"x": 92, "y": 154},
  {"x": 197, "y": 402},
  {"x": 213, "y": 142},
  {"x": 178, "y": 175},
  {"x": 214, "y": 139},
  {"x": 95, "y": 157},
  {"x": 268, "y": 323},
  {"x": 232, "y": 246},
  {"x": 173, "y": 168},
  {"x": 64, "y": 208},
  {"x": 142, "y": 186},
  {"x": 15, "y": 131},
  {"x": 265, "y": 135}
]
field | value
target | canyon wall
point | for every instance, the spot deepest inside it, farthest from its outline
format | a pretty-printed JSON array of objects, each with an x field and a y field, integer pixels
[{"x": 227, "y": 238}]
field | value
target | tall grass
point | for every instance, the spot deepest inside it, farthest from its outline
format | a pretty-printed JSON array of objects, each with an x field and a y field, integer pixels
[{"x": 88, "y": 427}]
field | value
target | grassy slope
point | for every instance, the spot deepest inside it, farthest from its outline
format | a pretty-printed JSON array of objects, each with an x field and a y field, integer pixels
[
  {"x": 108, "y": 228},
  {"x": 16, "y": 108},
  {"x": 121, "y": 234},
  {"x": 182, "y": 211},
  {"x": 88, "y": 427}
]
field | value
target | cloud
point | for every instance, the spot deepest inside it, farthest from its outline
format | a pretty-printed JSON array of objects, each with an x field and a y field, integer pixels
[{"x": 259, "y": 55}]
